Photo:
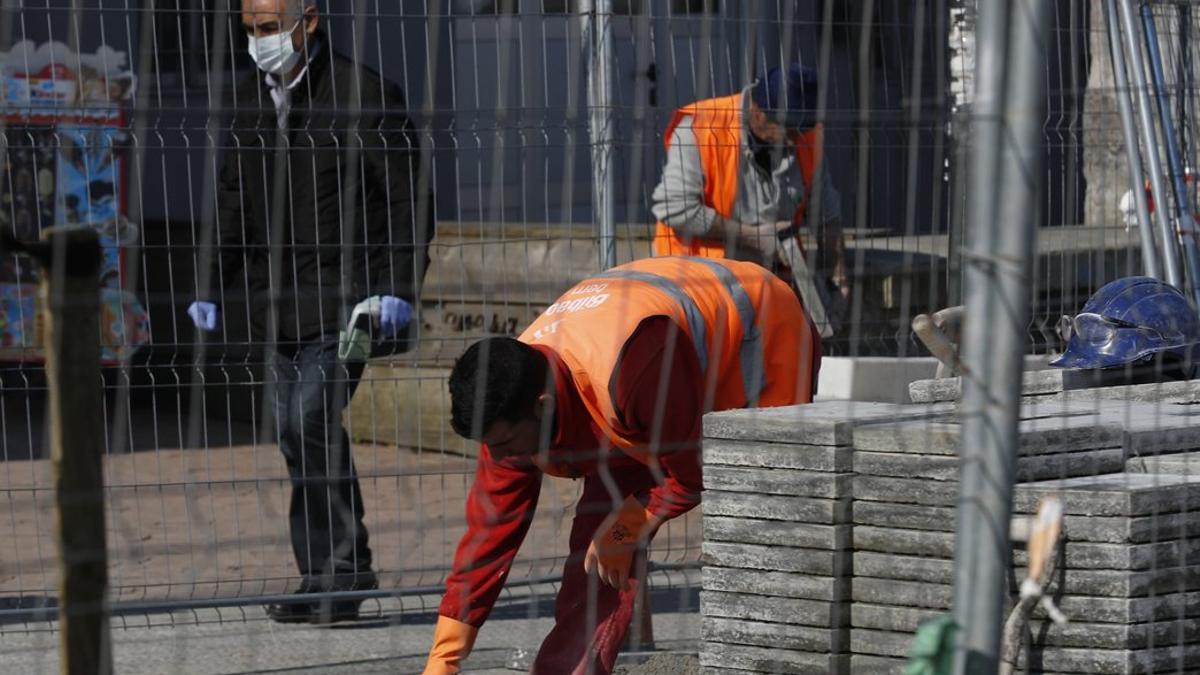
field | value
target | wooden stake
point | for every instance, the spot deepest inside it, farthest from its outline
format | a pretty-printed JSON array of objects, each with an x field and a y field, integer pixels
[{"x": 70, "y": 293}]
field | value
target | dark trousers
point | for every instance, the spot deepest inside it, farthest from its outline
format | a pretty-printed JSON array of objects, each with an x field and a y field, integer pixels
[
  {"x": 590, "y": 617},
  {"x": 326, "y": 515}
]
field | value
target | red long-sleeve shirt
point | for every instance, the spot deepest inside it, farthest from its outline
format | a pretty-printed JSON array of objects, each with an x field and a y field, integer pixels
[{"x": 502, "y": 500}]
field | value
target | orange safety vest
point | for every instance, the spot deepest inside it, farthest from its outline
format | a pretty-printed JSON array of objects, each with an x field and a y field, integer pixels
[
  {"x": 717, "y": 124},
  {"x": 747, "y": 327}
]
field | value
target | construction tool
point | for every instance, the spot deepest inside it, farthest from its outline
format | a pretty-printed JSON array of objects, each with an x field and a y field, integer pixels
[
  {"x": 808, "y": 286},
  {"x": 354, "y": 343}
]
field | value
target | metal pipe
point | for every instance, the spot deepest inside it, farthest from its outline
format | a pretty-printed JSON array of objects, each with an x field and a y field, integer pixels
[
  {"x": 601, "y": 121},
  {"x": 1006, "y": 161},
  {"x": 1170, "y": 246},
  {"x": 1186, "y": 224},
  {"x": 1133, "y": 153}
]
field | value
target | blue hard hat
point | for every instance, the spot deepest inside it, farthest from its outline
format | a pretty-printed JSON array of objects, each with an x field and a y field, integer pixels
[
  {"x": 788, "y": 95},
  {"x": 1128, "y": 321}
]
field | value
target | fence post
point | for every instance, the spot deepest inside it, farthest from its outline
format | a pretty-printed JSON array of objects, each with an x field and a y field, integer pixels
[
  {"x": 1006, "y": 159},
  {"x": 69, "y": 291},
  {"x": 597, "y": 17}
]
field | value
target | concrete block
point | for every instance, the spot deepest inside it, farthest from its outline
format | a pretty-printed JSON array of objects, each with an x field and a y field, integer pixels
[
  {"x": 911, "y": 594},
  {"x": 1035, "y": 383},
  {"x": 778, "y": 482},
  {"x": 946, "y": 468},
  {"x": 904, "y": 490},
  {"x": 1116, "y": 494},
  {"x": 1114, "y": 529},
  {"x": 865, "y": 664},
  {"x": 1158, "y": 634},
  {"x": 759, "y": 454},
  {"x": 1036, "y": 436},
  {"x": 774, "y": 610},
  {"x": 1115, "y": 661},
  {"x": 777, "y": 533},
  {"x": 1096, "y": 609},
  {"x": 880, "y": 643},
  {"x": 777, "y": 558},
  {"x": 774, "y": 635},
  {"x": 1164, "y": 392},
  {"x": 1182, "y": 464},
  {"x": 1072, "y": 582},
  {"x": 776, "y": 507},
  {"x": 911, "y": 542},
  {"x": 763, "y": 660},
  {"x": 895, "y": 619},
  {"x": 821, "y": 423},
  {"x": 902, "y": 567},
  {"x": 1122, "y": 557},
  {"x": 779, "y": 584}
]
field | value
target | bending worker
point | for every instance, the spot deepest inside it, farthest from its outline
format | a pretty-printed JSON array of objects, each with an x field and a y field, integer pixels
[
  {"x": 741, "y": 178},
  {"x": 609, "y": 385}
]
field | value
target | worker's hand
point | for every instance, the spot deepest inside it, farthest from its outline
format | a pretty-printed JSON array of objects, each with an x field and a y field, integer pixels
[
  {"x": 204, "y": 314},
  {"x": 762, "y": 238},
  {"x": 616, "y": 540},
  {"x": 452, "y": 642},
  {"x": 394, "y": 315}
]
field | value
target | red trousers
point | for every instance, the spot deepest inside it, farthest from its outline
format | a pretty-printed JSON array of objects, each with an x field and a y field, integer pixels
[{"x": 590, "y": 617}]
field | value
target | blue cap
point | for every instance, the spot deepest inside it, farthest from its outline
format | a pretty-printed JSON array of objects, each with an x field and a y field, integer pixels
[{"x": 788, "y": 95}]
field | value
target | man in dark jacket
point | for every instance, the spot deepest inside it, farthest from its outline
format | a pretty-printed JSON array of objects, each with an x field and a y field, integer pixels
[{"x": 319, "y": 208}]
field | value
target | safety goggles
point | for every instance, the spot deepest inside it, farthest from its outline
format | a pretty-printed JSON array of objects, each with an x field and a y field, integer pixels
[{"x": 1097, "y": 331}]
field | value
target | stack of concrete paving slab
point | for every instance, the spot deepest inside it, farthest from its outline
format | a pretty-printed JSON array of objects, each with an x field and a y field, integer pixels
[
  {"x": 1129, "y": 577},
  {"x": 905, "y": 492},
  {"x": 777, "y": 536}
]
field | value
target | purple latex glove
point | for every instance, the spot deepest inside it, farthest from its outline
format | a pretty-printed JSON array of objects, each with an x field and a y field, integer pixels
[
  {"x": 394, "y": 315},
  {"x": 204, "y": 314}
]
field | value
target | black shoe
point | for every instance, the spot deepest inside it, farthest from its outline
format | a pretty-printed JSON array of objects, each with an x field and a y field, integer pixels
[{"x": 326, "y": 610}]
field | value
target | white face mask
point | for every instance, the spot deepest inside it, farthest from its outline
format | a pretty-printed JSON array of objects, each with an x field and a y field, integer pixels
[{"x": 274, "y": 53}]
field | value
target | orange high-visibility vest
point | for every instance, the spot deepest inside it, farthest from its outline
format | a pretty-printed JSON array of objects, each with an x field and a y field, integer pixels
[
  {"x": 747, "y": 327},
  {"x": 717, "y": 124}
]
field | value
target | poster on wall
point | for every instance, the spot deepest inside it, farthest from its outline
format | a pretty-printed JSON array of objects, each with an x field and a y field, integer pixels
[{"x": 63, "y": 164}]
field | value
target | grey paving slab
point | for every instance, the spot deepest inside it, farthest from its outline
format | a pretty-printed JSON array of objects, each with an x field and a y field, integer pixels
[
  {"x": 1088, "y": 555},
  {"x": 821, "y": 423},
  {"x": 1110, "y": 529},
  {"x": 894, "y": 593},
  {"x": 778, "y": 482},
  {"x": 865, "y": 664},
  {"x": 1177, "y": 659},
  {"x": 1108, "y": 583},
  {"x": 830, "y": 459},
  {"x": 753, "y": 556},
  {"x": 777, "y": 533},
  {"x": 946, "y": 468},
  {"x": 1051, "y": 658},
  {"x": 763, "y": 660},
  {"x": 904, "y": 490},
  {"x": 1033, "y": 383},
  {"x": 780, "y": 584},
  {"x": 1116, "y": 635},
  {"x": 774, "y": 635},
  {"x": 1162, "y": 392},
  {"x": 896, "y": 540},
  {"x": 1068, "y": 432},
  {"x": 776, "y": 507},
  {"x": 1086, "y": 609},
  {"x": 889, "y": 618},
  {"x": 1183, "y": 464},
  {"x": 1115, "y": 494},
  {"x": 774, "y": 610}
]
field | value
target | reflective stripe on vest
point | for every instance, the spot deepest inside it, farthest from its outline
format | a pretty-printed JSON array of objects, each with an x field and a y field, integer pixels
[
  {"x": 751, "y": 354},
  {"x": 694, "y": 318}
]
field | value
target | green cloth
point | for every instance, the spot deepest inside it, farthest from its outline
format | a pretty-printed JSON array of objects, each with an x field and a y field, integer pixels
[{"x": 932, "y": 651}]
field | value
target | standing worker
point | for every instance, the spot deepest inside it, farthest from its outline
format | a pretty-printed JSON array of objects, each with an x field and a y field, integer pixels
[
  {"x": 323, "y": 267},
  {"x": 740, "y": 174},
  {"x": 609, "y": 385}
]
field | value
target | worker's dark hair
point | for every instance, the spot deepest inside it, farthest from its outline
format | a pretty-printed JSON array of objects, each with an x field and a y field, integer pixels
[{"x": 512, "y": 376}]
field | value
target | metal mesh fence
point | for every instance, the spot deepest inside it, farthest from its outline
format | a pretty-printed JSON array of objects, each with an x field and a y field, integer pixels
[{"x": 464, "y": 156}]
